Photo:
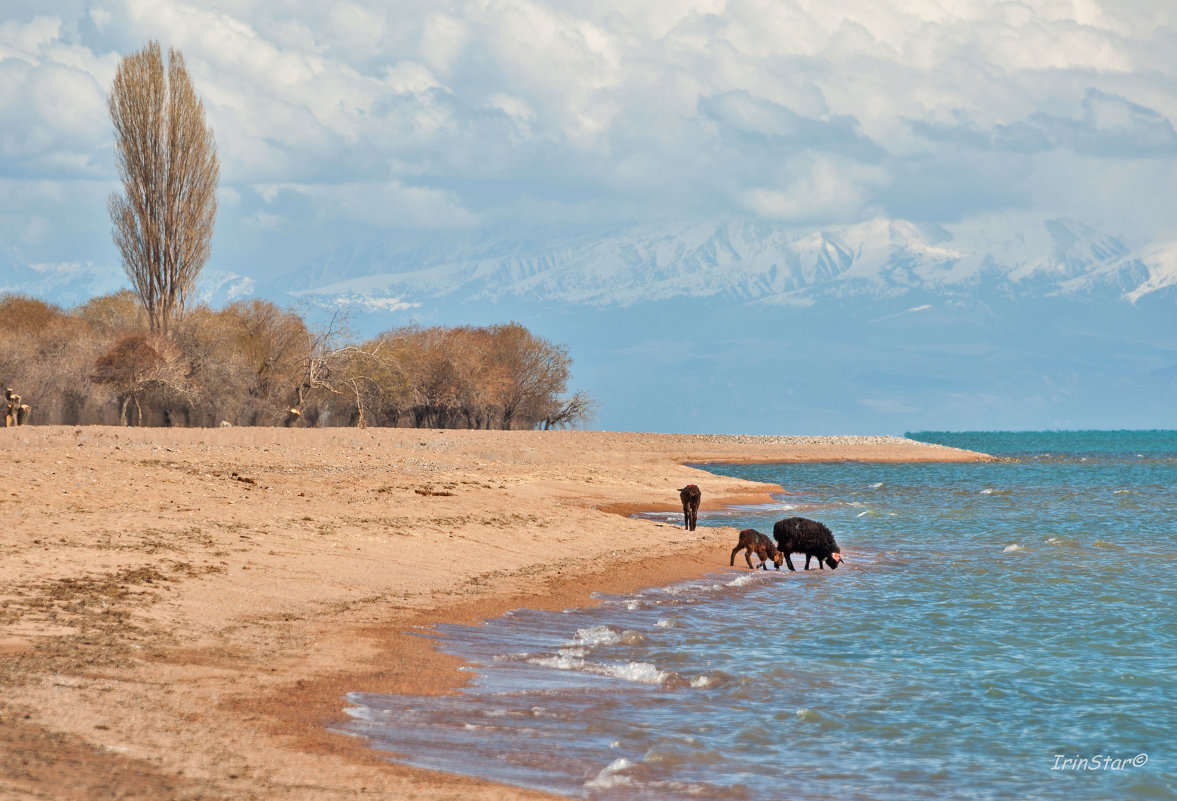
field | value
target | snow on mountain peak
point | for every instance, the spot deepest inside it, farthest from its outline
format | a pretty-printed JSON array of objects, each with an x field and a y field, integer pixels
[
  {"x": 734, "y": 261},
  {"x": 1161, "y": 264},
  {"x": 753, "y": 260}
]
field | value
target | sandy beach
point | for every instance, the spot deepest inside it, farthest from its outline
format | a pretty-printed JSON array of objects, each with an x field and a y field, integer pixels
[{"x": 182, "y": 610}]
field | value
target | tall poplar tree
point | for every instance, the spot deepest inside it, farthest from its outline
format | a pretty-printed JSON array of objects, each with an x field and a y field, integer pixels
[{"x": 167, "y": 159}]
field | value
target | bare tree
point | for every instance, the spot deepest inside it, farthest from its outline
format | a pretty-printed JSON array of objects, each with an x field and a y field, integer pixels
[
  {"x": 531, "y": 372},
  {"x": 113, "y": 314},
  {"x": 138, "y": 367},
  {"x": 570, "y": 412},
  {"x": 167, "y": 159}
]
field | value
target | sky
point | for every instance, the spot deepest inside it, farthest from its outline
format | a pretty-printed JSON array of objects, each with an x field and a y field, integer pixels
[
  {"x": 420, "y": 120},
  {"x": 352, "y": 119}
]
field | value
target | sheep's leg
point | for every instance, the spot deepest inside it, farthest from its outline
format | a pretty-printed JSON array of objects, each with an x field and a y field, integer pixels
[
  {"x": 789, "y": 561},
  {"x": 732, "y": 562}
]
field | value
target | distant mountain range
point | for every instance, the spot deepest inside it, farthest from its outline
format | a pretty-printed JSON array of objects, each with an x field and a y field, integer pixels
[
  {"x": 747, "y": 261},
  {"x": 731, "y": 262},
  {"x": 73, "y": 283}
]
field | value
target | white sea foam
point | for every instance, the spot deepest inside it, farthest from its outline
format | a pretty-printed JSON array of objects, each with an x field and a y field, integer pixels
[
  {"x": 595, "y": 636},
  {"x": 702, "y": 682},
  {"x": 665, "y": 623},
  {"x": 742, "y": 510},
  {"x": 360, "y": 712},
  {"x": 631, "y": 637},
  {"x": 612, "y": 775},
  {"x": 563, "y": 661},
  {"x": 511, "y": 657},
  {"x": 987, "y": 491},
  {"x": 684, "y": 587},
  {"x": 1012, "y": 548},
  {"x": 876, "y": 485},
  {"x": 640, "y": 672}
]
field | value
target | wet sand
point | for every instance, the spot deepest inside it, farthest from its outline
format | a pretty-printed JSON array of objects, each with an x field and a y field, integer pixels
[{"x": 182, "y": 610}]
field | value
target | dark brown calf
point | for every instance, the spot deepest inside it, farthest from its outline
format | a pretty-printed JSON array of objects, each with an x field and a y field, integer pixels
[
  {"x": 753, "y": 542},
  {"x": 690, "y": 495}
]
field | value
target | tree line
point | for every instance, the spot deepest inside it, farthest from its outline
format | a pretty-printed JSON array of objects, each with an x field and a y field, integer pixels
[
  {"x": 142, "y": 357},
  {"x": 254, "y": 363}
]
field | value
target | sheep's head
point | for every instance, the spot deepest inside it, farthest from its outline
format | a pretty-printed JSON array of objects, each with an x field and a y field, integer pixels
[
  {"x": 777, "y": 557},
  {"x": 833, "y": 560}
]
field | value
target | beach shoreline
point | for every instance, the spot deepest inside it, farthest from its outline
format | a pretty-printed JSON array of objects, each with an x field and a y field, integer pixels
[{"x": 186, "y": 608}]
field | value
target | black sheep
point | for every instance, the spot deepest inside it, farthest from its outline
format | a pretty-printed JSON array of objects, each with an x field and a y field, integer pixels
[
  {"x": 801, "y": 535},
  {"x": 690, "y": 495}
]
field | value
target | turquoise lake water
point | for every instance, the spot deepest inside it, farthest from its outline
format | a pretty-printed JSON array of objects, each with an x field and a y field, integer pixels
[{"x": 1001, "y": 630}]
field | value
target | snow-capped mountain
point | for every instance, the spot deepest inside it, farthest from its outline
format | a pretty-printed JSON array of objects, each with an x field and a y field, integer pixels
[
  {"x": 217, "y": 287},
  {"x": 730, "y": 262},
  {"x": 67, "y": 284},
  {"x": 747, "y": 261}
]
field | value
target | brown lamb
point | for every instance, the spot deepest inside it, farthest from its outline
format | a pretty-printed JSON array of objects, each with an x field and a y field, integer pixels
[{"x": 753, "y": 542}]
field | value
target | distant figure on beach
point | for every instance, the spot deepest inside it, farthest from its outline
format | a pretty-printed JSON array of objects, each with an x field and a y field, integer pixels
[
  {"x": 753, "y": 542},
  {"x": 814, "y": 539},
  {"x": 690, "y": 495},
  {"x": 16, "y": 413}
]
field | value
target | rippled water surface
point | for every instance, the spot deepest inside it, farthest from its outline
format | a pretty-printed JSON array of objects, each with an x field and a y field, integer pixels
[{"x": 1000, "y": 630}]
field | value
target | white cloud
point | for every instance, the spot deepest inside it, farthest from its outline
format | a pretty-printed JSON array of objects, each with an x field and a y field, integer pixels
[
  {"x": 827, "y": 191},
  {"x": 101, "y": 17},
  {"x": 443, "y": 38},
  {"x": 354, "y": 27},
  {"x": 406, "y": 77},
  {"x": 267, "y": 223},
  {"x": 25, "y": 41},
  {"x": 389, "y": 204},
  {"x": 451, "y": 112}
]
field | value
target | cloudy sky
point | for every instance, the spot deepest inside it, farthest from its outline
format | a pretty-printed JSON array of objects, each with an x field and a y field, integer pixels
[{"x": 358, "y": 118}]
